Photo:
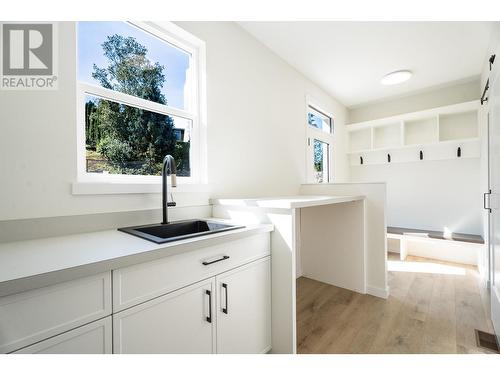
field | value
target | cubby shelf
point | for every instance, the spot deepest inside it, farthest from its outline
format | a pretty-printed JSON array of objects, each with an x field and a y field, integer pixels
[{"x": 437, "y": 132}]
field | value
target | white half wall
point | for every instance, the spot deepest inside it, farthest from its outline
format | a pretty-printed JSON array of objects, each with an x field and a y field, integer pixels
[
  {"x": 375, "y": 228},
  {"x": 332, "y": 245}
]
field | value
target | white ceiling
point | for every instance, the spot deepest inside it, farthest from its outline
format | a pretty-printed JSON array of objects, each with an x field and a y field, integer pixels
[{"x": 347, "y": 59}]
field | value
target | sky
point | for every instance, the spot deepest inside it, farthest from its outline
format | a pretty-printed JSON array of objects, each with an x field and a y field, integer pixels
[{"x": 91, "y": 35}]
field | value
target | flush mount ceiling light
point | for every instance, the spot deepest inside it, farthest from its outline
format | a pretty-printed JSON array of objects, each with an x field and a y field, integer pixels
[{"x": 394, "y": 78}]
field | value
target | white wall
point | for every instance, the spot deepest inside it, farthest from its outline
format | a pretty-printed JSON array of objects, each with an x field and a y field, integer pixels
[
  {"x": 494, "y": 48},
  {"x": 430, "y": 194},
  {"x": 38, "y": 150},
  {"x": 256, "y": 115},
  {"x": 256, "y": 131},
  {"x": 435, "y": 97}
]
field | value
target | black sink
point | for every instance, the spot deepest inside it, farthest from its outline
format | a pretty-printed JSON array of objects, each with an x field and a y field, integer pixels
[{"x": 178, "y": 230}]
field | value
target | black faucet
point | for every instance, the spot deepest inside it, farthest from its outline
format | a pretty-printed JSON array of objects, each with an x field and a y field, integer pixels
[{"x": 169, "y": 168}]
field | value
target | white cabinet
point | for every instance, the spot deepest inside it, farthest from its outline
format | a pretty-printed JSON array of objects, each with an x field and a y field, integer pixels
[
  {"x": 177, "y": 304},
  {"x": 162, "y": 306},
  {"x": 92, "y": 338},
  {"x": 179, "y": 322},
  {"x": 145, "y": 281},
  {"x": 234, "y": 317},
  {"x": 35, "y": 315},
  {"x": 244, "y": 309}
]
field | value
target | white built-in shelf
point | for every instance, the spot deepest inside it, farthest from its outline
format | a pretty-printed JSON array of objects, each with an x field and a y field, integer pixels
[
  {"x": 458, "y": 126},
  {"x": 360, "y": 140},
  {"x": 437, "y": 133},
  {"x": 421, "y": 131},
  {"x": 387, "y": 136}
]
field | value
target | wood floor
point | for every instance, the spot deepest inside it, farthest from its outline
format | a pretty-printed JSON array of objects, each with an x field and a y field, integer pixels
[{"x": 425, "y": 313}]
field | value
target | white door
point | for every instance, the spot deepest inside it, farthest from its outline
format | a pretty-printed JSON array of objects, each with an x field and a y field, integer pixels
[
  {"x": 244, "y": 308},
  {"x": 92, "y": 338},
  {"x": 178, "y": 322},
  {"x": 494, "y": 201}
]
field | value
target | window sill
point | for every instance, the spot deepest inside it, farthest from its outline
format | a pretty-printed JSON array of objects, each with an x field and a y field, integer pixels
[{"x": 98, "y": 188}]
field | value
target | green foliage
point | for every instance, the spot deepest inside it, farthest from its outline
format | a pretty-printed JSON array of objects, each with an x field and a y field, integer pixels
[
  {"x": 181, "y": 155},
  {"x": 132, "y": 140},
  {"x": 317, "y": 146},
  {"x": 129, "y": 70},
  {"x": 318, "y": 156},
  {"x": 92, "y": 128},
  {"x": 114, "y": 150}
]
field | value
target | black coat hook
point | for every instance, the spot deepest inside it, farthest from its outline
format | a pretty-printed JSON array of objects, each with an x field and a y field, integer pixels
[
  {"x": 388, "y": 158},
  {"x": 421, "y": 155},
  {"x": 459, "y": 152},
  {"x": 361, "y": 160}
]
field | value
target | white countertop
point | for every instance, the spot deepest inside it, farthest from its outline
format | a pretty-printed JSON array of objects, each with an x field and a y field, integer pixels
[
  {"x": 289, "y": 202},
  {"x": 44, "y": 261}
]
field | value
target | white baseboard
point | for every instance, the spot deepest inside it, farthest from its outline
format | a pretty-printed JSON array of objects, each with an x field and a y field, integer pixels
[{"x": 377, "y": 292}]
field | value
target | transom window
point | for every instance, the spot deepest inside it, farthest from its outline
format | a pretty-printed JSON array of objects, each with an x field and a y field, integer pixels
[
  {"x": 319, "y": 120},
  {"x": 139, "y": 100}
]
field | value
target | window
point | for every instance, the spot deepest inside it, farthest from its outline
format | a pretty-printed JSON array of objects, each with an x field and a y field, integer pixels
[
  {"x": 132, "y": 149},
  {"x": 319, "y": 120},
  {"x": 321, "y": 151},
  {"x": 139, "y": 99},
  {"x": 319, "y": 145}
]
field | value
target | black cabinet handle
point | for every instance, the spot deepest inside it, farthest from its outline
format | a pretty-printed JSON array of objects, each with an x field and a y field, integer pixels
[
  {"x": 205, "y": 263},
  {"x": 484, "y": 201},
  {"x": 225, "y": 309},
  {"x": 209, "y": 317}
]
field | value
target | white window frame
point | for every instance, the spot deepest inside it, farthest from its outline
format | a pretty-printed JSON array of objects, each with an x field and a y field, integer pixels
[
  {"x": 96, "y": 183},
  {"x": 319, "y": 134}
]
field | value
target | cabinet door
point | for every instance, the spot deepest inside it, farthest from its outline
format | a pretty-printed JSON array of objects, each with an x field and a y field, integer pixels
[
  {"x": 178, "y": 322},
  {"x": 244, "y": 308},
  {"x": 92, "y": 338}
]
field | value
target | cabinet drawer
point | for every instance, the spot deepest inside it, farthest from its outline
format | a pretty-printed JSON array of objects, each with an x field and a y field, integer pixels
[
  {"x": 139, "y": 283},
  {"x": 32, "y": 316},
  {"x": 92, "y": 338}
]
